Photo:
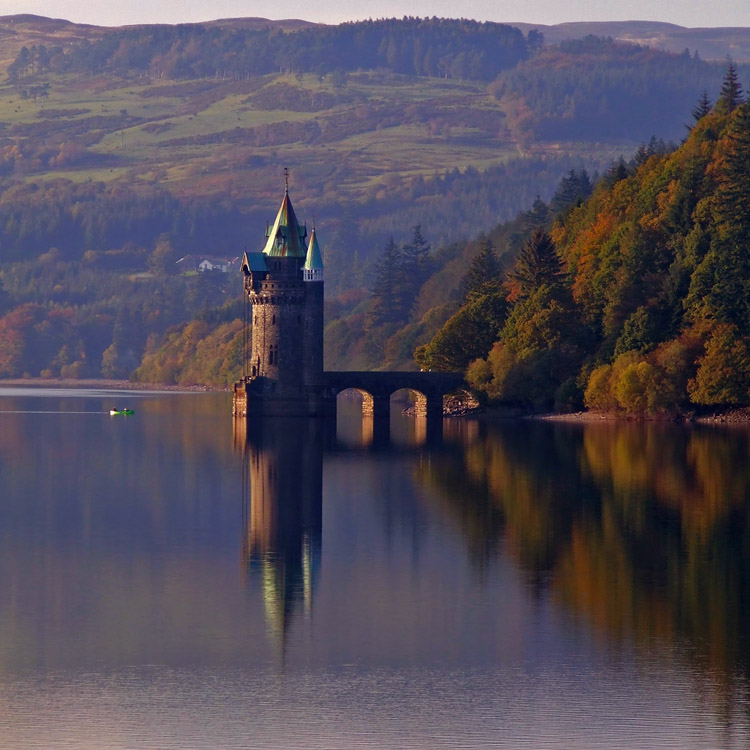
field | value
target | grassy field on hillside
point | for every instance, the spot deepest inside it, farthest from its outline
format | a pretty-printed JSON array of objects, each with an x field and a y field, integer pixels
[{"x": 366, "y": 127}]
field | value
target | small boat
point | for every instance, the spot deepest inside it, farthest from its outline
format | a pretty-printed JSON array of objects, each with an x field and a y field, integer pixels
[{"x": 116, "y": 412}]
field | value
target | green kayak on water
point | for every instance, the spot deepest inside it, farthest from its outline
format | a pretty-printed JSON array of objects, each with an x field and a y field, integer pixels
[{"x": 115, "y": 412}]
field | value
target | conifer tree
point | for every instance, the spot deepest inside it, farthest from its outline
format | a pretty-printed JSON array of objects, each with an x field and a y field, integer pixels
[
  {"x": 483, "y": 276},
  {"x": 734, "y": 196},
  {"x": 537, "y": 264},
  {"x": 415, "y": 267},
  {"x": 731, "y": 90},
  {"x": 385, "y": 306},
  {"x": 703, "y": 107},
  {"x": 416, "y": 254},
  {"x": 537, "y": 217},
  {"x": 617, "y": 171},
  {"x": 573, "y": 189}
]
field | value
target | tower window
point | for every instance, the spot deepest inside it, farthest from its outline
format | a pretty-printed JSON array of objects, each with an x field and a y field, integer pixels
[{"x": 273, "y": 320}]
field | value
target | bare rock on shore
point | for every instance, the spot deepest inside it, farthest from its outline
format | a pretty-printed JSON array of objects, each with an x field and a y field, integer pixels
[{"x": 453, "y": 406}]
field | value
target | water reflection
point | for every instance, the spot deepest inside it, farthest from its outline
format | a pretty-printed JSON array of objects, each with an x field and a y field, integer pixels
[
  {"x": 643, "y": 531},
  {"x": 282, "y": 501},
  {"x": 283, "y": 514},
  {"x": 548, "y": 585}
]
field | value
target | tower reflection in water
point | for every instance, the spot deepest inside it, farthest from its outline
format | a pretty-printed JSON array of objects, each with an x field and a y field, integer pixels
[
  {"x": 283, "y": 514},
  {"x": 282, "y": 493}
]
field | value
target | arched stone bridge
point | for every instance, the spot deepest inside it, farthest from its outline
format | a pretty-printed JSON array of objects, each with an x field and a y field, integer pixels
[{"x": 378, "y": 387}]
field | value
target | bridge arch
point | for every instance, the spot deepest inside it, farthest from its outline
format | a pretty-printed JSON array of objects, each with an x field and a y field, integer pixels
[
  {"x": 376, "y": 389},
  {"x": 367, "y": 399},
  {"x": 419, "y": 407}
]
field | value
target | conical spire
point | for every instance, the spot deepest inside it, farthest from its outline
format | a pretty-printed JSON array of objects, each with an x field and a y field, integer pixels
[
  {"x": 285, "y": 238},
  {"x": 314, "y": 260}
]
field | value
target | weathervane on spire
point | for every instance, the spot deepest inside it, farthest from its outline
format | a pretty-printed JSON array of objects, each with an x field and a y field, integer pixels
[{"x": 286, "y": 179}]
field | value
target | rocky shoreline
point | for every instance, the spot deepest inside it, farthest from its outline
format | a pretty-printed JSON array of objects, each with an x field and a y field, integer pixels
[{"x": 735, "y": 415}]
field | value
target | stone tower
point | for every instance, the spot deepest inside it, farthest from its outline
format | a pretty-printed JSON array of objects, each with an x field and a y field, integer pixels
[{"x": 284, "y": 283}]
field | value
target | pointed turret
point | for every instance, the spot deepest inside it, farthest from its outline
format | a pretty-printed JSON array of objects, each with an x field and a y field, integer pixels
[
  {"x": 286, "y": 239},
  {"x": 313, "y": 268}
]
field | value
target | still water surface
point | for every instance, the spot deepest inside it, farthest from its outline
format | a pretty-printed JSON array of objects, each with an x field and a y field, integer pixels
[{"x": 168, "y": 582}]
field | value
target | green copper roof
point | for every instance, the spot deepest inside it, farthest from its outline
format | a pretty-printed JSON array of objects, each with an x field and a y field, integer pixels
[
  {"x": 285, "y": 238},
  {"x": 254, "y": 262},
  {"x": 314, "y": 259}
]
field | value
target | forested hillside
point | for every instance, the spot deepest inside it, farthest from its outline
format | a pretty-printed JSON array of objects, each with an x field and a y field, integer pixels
[
  {"x": 124, "y": 150},
  {"x": 709, "y": 43},
  {"x": 412, "y": 46},
  {"x": 597, "y": 89},
  {"x": 637, "y": 300}
]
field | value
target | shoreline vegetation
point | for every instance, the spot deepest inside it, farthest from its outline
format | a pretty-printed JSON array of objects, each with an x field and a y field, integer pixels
[{"x": 729, "y": 416}]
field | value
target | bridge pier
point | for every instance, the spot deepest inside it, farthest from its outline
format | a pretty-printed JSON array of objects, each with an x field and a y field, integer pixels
[
  {"x": 381, "y": 408},
  {"x": 433, "y": 408},
  {"x": 376, "y": 417}
]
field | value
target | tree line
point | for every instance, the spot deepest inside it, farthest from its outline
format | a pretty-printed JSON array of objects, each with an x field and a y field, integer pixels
[{"x": 414, "y": 46}]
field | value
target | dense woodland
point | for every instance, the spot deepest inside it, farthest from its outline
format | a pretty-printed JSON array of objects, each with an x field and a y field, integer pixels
[
  {"x": 636, "y": 300},
  {"x": 412, "y": 46},
  {"x": 589, "y": 87}
]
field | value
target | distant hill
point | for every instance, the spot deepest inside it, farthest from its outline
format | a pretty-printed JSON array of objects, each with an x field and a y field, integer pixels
[
  {"x": 710, "y": 43},
  {"x": 287, "y": 24},
  {"x": 27, "y": 29}
]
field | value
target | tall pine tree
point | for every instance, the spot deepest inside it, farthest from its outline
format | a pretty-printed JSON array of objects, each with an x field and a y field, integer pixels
[
  {"x": 537, "y": 264},
  {"x": 483, "y": 276},
  {"x": 385, "y": 305},
  {"x": 415, "y": 268},
  {"x": 731, "y": 90},
  {"x": 537, "y": 217},
  {"x": 573, "y": 189},
  {"x": 703, "y": 107}
]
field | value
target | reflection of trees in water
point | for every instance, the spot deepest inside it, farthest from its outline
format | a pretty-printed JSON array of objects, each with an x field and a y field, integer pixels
[
  {"x": 503, "y": 487},
  {"x": 643, "y": 529}
]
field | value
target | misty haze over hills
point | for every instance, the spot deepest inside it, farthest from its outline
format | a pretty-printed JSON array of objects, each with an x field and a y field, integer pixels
[{"x": 710, "y": 43}]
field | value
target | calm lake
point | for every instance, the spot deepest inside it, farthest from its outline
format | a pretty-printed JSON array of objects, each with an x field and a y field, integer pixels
[{"x": 167, "y": 581}]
